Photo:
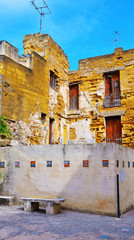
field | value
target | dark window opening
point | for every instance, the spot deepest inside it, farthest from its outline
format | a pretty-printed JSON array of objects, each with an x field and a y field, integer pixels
[
  {"x": 43, "y": 118},
  {"x": 112, "y": 90},
  {"x": 123, "y": 164},
  {"x": 51, "y": 131},
  {"x": 74, "y": 97},
  {"x": 53, "y": 79}
]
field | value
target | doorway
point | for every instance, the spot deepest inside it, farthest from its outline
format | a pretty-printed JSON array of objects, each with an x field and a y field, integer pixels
[{"x": 113, "y": 129}]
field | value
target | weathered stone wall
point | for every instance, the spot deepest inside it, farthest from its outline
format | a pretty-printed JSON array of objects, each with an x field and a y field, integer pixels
[
  {"x": 28, "y": 89},
  {"x": 25, "y": 95},
  {"x": 57, "y": 62},
  {"x": 92, "y": 93},
  {"x": 89, "y": 189}
]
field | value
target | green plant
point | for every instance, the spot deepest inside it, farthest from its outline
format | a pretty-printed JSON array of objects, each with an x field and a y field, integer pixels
[{"x": 4, "y": 128}]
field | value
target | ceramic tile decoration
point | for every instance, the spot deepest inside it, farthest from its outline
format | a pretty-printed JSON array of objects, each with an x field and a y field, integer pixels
[
  {"x": 2, "y": 164},
  {"x": 66, "y": 163},
  {"x": 85, "y": 163},
  {"x": 17, "y": 164},
  {"x": 49, "y": 163},
  {"x": 33, "y": 163},
  {"x": 105, "y": 163}
]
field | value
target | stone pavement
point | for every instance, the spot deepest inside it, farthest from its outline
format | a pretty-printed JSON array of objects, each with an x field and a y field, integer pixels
[{"x": 17, "y": 225}]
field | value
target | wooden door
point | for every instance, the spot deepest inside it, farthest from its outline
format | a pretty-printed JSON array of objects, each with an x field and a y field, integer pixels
[{"x": 113, "y": 129}]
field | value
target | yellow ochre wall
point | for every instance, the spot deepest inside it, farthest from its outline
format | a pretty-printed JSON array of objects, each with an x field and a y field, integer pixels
[
  {"x": 29, "y": 93},
  {"x": 25, "y": 94},
  {"x": 92, "y": 90}
]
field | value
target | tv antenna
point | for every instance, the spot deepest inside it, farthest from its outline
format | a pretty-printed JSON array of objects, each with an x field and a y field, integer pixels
[
  {"x": 41, "y": 12},
  {"x": 116, "y": 39}
]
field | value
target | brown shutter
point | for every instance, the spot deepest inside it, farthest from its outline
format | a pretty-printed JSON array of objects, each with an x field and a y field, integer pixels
[
  {"x": 116, "y": 84},
  {"x": 73, "y": 97},
  {"x": 108, "y": 86}
]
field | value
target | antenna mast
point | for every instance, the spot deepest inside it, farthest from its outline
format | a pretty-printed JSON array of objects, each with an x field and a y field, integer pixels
[
  {"x": 116, "y": 40},
  {"x": 41, "y": 12}
]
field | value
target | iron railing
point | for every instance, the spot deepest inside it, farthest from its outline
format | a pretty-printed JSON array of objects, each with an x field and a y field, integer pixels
[{"x": 112, "y": 100}]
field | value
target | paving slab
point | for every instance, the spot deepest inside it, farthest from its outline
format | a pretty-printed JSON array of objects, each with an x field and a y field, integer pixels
[{"x": 15, "y": 224}]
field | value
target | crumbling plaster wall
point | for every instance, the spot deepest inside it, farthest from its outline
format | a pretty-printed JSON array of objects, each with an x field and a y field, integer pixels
[
  {"x": 86, "y": 125},
  {"x": 58, "y": 63},
  {"x": 25, "y": 95},
  {"x": 92, "y": 93}
]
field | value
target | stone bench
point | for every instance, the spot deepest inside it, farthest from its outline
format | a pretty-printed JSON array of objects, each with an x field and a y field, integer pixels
[
  {"x": 7, "y": 200},
  {"x": 53, "y": 205}
]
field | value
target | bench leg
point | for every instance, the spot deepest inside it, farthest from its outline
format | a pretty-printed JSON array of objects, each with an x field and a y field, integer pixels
[
  {"x": 30, "y": 206},
  {"x": 52, "y": 208}
]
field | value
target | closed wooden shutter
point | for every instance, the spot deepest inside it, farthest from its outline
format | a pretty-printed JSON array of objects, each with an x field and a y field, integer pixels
[
  {"x": 73, "y": 97},
  {"x": 108, "y": 86}
]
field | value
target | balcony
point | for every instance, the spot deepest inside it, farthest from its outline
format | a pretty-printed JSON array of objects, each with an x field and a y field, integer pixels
[{"x": 112, "y": 101}]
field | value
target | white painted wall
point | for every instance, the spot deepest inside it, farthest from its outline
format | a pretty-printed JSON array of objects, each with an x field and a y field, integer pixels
[{"x": 91, "y": 189}]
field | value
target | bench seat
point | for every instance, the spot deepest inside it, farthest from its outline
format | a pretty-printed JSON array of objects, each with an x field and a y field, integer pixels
[
  {"x": 7, "y": 200},
  {"x": 53, "y": 205}
]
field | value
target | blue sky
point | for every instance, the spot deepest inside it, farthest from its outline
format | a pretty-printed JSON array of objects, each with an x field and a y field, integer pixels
[{"x": 83, "y": 28}]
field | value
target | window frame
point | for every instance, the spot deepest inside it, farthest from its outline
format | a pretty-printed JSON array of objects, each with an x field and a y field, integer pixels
[{"x": 53, "y": 79}]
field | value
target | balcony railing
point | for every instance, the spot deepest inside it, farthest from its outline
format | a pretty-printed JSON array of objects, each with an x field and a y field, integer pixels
[
  {"x": 112, "y": 101},
  {"x": 117, "y": 140}
]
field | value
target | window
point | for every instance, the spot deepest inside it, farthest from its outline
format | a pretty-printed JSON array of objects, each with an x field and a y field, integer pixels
[
  {"x": 113, "y": 129},
  {"x": 51, "y": 131},
  {"x": 43, "y": 118},
  {"x": 74, "y": 97},
  {"x": 112, "y": 90},
  {"x": 53, "y": 79}
]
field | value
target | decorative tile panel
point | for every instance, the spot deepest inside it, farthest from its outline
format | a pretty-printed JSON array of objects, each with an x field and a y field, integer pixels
[
  {"x": 17, "y": 164},
  {"x": 33, "y": 163},
  {"x": 105, "y": 163},
  {"x": 85, "y": 163},
  {"x": 49, "y": 163},
  {"x": 2, "y": 164},
  {"x": 66, "y": 163}
]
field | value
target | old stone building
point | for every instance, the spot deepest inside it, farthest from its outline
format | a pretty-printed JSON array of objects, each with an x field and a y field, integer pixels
[{"x": 45, "y": 103}]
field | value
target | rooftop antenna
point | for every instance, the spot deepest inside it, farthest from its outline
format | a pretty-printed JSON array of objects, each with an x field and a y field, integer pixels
[
  {"x": 116, "y": 40},
  {"x": 41, "y": 12}
]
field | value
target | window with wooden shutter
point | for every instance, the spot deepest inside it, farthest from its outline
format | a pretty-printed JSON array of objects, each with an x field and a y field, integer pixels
[
  {"x": 53, "y": 79},
  {"x": 74, "y": 97},
  {"x": 112, "y": 90}
]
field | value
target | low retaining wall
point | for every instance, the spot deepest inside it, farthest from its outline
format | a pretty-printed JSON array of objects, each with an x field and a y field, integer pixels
[{"x": 59, "y": 171}]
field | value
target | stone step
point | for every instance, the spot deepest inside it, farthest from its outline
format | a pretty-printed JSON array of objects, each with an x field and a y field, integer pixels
[{"x": 7, "y": 200}]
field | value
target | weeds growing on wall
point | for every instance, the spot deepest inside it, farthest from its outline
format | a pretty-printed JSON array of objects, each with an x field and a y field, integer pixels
[{"x": 4, "y": 128}]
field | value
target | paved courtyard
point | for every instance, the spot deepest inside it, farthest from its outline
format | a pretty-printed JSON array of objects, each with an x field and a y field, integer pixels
[{"x": 17, "y": 224}]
